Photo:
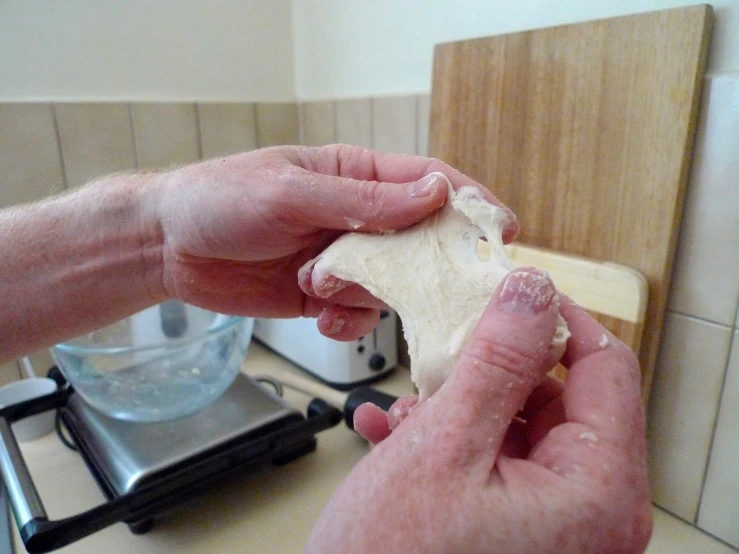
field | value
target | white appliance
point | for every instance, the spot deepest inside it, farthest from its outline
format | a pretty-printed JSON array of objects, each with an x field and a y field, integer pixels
[{"x": 342, "y": 365}]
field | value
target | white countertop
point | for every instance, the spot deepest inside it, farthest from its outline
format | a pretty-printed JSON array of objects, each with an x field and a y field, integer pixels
[{"x": 271, "y": 510}]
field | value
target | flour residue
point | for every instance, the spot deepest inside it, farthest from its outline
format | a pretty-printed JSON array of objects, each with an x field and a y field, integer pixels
[{"x": 354, "y": 224}]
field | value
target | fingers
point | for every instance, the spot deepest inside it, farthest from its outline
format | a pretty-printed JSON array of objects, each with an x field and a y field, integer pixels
[
  {"x": 347, "y": 324},
  {"x": 364, "y": 175},
  {"x": 347, "y": 313},
  {"x": 371, "y": 423},
  {"x": 543, "y": 410},
  {"x": 369, "y": 206},
  {"x": 336, "y": 290},
  {"x": 604, "y": 381},
  {"x": 375, "y": 424},
  {"x": 603, "y": 439},
  {"x": 401, "y": 409},
  {"x": 548, "y": 390},
  {"x": 505, "y": 359}
]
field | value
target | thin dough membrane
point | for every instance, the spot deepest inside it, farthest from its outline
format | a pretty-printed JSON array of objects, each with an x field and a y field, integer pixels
[{"x": 435, "y": 276}]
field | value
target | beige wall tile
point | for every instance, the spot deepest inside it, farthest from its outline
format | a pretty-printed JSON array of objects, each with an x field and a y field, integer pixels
[
  {"x": 706, "y": 277},
  {"x": 227, "y": 128},
  {"x": 424, "y": 116},
  {"x": 719, "y": 510},
  {"x": 682, "y": 410},
  {"x": 166, "y": 134},
  {"x": 394, "y": 124},
  {"x": 354, "y": 121},
  {"x": 317, "y": 123},
  {"x": 277, "y": 124},
  {"x": 673, "y": 536},
  {"x": 29, "y": 153},
  {"x": 96, "y": 139},
  {"x": 9, "y": 373}
]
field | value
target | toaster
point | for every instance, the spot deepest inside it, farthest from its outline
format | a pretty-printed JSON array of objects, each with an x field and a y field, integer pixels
[{"x": 342, "y": 365}]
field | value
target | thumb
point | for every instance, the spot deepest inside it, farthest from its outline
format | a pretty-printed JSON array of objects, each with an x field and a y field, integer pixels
[
  {"x": 508, "y": 354},
  {"x": 370, "y": 206}
]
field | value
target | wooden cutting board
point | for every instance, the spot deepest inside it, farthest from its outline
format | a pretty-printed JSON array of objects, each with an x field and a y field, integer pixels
[
  {"x": 615, "y": 294},
  {"x": 586, "y": 132}
]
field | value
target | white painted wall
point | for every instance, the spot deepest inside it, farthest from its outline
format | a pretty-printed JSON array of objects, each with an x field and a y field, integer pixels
[
  {"x": 146, "y": 50},
  {"x": 273, "y": 50},
  {"x": 347, "y": 48}
]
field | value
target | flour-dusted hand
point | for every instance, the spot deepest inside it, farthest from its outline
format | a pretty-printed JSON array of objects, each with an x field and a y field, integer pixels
[
  {"x": 500, "y": 459},
  {"x": 438, "y": 275},
  {"x": 236, "y": 230},
  {"x": 227, "y": 234}
]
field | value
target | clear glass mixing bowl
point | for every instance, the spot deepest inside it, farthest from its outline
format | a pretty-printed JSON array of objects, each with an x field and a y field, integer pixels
[{"x": 168, "y": 361}]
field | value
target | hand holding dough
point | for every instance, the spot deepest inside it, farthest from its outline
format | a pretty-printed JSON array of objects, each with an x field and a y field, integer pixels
[{"x": 434, "y": 276}]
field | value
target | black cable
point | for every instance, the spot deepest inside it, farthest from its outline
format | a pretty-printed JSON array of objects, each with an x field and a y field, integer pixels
[{"x": 60, "y": 432}]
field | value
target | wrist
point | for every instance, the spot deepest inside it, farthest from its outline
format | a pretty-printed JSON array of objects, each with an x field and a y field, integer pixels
[
  {"x": 128, "y": 231},
  {"x": 79, "y": 261},
  {"x": 146, "y": 189}
]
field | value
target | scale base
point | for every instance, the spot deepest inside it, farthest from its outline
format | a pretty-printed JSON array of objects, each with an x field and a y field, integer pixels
[
  {"x": 148, "y": 469},
  {"x": 125, "y": 457}
]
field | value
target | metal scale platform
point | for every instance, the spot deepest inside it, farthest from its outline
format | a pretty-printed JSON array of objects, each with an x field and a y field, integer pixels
[{"x": 147, "y": 469}]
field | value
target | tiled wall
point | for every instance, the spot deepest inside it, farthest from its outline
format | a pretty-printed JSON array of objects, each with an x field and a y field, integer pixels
[{"x": 694, "y": 408}]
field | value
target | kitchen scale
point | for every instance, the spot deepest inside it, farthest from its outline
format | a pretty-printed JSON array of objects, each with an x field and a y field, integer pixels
[{"x": 147, "y": 469}]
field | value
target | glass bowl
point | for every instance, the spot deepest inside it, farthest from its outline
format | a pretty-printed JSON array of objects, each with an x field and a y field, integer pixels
[{"x": 165, "y": 362}]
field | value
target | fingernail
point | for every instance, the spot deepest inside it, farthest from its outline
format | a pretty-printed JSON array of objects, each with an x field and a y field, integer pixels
[
  {"x": 305, "y": 277},
  {"x": 423, "y": 187},
  {"x": 336, "y": 326},
  {"x": 526, "y": 292},
  {"x": 328, "y": 285}
]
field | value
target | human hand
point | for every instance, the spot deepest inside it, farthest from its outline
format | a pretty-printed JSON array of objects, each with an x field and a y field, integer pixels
[
  {"x": 501, "y": 459},
  {"x": 236, "y": 230}
]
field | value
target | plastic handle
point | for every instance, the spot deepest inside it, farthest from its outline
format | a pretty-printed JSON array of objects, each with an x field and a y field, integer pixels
[
  {"x": 23, "y": 495},
  {"x": 359, "y": 396}
]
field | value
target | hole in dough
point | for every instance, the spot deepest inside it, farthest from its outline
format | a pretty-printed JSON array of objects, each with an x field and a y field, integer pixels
[
  {"x": 483, "y": 251},
  {"x": 438, "y": 275}
]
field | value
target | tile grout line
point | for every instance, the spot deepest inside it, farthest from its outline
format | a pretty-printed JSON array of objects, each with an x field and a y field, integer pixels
[
  {"x": 334, "y": 123},
  {"x": 255, "y": 113},
  {"x": 301, "y": 122},
  {"x": 699, "y": 529},
  {"x": 729, "y": 327},
  {"x": 372, "y": 122},
  {"x": 198, "y": 130},
  {"x": 132, "y": 128},
  {"x": 712, "y": 440},
  {"x": 65, "y": 178},
  {"x": 417, "y": 109}
]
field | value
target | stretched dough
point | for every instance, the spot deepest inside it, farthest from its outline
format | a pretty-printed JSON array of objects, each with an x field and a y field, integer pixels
[{"x": 434, "y": 275}]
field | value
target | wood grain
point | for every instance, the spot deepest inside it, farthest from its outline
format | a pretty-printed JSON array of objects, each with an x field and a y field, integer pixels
[{"x": 586, "y": 132}]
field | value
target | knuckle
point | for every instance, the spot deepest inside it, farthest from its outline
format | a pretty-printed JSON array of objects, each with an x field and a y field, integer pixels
[
  {"x": 349, "y": 160},
  {"x": 435, "y": 164},
  {"x": 369, "y": 197},
  {"x": 489, "y": 357}
]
